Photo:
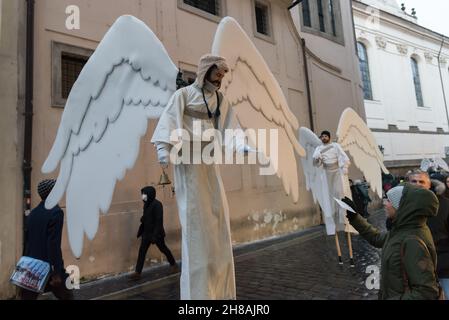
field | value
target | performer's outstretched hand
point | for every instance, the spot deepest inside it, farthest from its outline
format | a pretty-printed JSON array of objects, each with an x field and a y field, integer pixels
[{"x": 350, "y": 215}]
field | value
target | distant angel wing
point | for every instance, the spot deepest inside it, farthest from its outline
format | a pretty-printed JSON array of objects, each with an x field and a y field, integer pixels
[
  {"x": 316, "y": 180},
  {"x": 441, "y": 164},
  {"x": 357, "y": 139},
  {"x": 256, "y": 97},
  {"x": 129, "y": 79}
]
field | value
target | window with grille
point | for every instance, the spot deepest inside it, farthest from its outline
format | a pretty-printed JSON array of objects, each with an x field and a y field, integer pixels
[
  {"x": 71, "y": 66},
  {"x": 209, "y": 6},
  {"x": 67, "y": 63},
  {"x": 364, "y": 69},
  {"x": 417, "y": 82},
  {"x": 262, "y": 19}
]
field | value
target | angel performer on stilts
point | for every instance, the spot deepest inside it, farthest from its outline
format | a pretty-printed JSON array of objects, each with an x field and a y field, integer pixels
[
  {"x": 326, "y": 168},
  {"x": 201, "y": 198},
  {"x": 335, "y": 162}
]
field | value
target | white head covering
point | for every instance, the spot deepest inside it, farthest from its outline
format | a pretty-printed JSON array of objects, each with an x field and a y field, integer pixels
[
  {"x": 206, "y": 62},
  {"x": 395, "y": 196}
]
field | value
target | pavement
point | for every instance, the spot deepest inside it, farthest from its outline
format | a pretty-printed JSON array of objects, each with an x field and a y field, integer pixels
[{"x": 300, "y": 266}]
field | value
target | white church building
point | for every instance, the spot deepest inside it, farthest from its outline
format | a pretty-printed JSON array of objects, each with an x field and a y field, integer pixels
[{"x": 405, "y": 77}]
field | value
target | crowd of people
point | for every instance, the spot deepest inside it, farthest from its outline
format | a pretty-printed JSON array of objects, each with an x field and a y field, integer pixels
[
  {"x": 415, "y": 255},
  {"x": 415, "y": 247}
]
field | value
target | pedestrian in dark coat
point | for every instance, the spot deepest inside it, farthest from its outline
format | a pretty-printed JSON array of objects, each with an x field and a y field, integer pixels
[
  {"x": 152, "y": 230},
  {"x": 43, "y": 236},
  {"x": 408, "y": 252},
  {"x": 439, "y": 226}
]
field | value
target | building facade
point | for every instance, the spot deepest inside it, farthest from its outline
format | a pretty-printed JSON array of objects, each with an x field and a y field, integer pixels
[
  {"x": 333, "y": 72},
  {"x": 405, "y": 74},
  {"x": 12, "y": 95},
  {"x": 66, "y": 32}
]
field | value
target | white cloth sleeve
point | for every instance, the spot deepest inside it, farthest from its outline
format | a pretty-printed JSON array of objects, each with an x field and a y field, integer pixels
[
  {"x": 231, "y": 122},
  {"x": 343, "y": 159},
  {"x": 163, "y": 152}
]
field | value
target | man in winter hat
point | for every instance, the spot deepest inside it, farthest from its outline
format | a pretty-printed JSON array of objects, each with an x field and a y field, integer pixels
[{"x": 43, "y": 236}]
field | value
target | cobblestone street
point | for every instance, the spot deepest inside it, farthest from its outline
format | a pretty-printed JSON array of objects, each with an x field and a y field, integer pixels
[{"x": 304, "y": 267}]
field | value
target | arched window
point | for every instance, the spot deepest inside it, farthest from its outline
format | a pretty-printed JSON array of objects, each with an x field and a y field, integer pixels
[
  {"x": 364, "y": 69},
  {"x": 417, "y": 82}
]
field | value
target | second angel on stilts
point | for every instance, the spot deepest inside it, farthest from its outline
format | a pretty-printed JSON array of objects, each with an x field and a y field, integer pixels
[{"x": 326, "y": 169}]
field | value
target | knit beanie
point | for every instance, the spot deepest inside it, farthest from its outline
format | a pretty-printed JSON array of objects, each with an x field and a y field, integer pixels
[{"x": 395, "y": 195}]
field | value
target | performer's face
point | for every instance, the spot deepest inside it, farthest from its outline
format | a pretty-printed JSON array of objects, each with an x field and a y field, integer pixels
[
  {"x": 389, "y": 209},
  {"x": 421, "y": 180},
  {"x": 216, "y": 76},
  {"x": 325, "y": 139}
]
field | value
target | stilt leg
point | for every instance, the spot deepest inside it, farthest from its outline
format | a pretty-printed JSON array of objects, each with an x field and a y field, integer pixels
[
  {"x": 337, "y": 243},
  {"x": 351, "y": 254}
]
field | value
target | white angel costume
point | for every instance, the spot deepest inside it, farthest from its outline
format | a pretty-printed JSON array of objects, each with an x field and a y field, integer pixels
[
  {"x": 207, "y": 259},
  {"x": 325, "y": 166},
  {"x": 335, "y": 163}
]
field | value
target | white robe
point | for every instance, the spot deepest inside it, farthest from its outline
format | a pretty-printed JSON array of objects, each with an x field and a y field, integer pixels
[
  {"x": 207, "y": 258},
  {"x": 335, "y": 162}
]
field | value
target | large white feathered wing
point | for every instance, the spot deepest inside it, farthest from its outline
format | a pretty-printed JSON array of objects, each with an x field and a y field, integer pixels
[
  {"x": 316, "y": 180},
  {"x": 357, "y": 139},
  {"x": 257, "y": 99},
  {"x": 129, "y": 79}
]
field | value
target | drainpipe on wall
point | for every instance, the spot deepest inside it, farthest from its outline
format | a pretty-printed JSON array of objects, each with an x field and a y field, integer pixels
[
  {"x": 28, "y": 114},
  {"x": 441, "y": 79},
  {"x": 306, "y": 72},
  {"x": 309, "y": 95}
]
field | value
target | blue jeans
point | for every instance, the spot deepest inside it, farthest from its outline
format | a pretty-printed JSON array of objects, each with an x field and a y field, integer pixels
[{"x": 445, "y": 285}]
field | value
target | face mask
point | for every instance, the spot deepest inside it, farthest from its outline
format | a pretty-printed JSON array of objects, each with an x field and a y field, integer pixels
[
  {"x": 210, "y": 86},
  {"x": 144, "y": 197}
]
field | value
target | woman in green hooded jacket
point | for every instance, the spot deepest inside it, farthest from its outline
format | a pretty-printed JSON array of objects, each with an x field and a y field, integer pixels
[{"x": 408, "y": 252}]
